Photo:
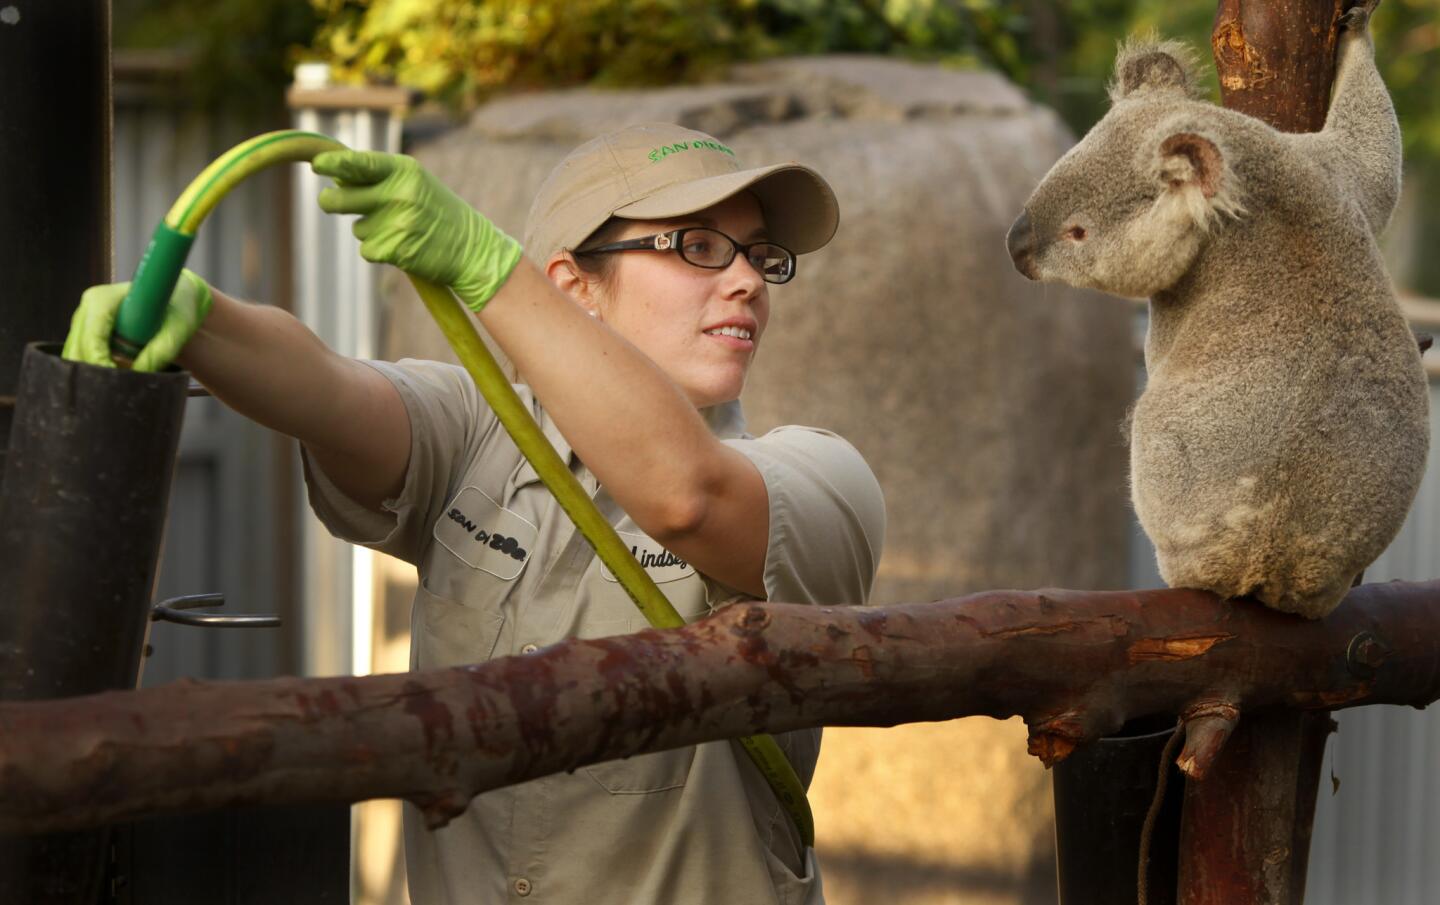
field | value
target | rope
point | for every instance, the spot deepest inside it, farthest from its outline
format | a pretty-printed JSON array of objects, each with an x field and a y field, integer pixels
[{"x": 1167, "y": 757}]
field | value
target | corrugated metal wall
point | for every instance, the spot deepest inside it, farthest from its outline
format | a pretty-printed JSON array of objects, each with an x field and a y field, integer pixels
[
  {"x": 224, "y": 520},
  {"x": 336, "y": 295},
  {"x": 1373, "y": 841},
  {"x": 238, "y": 523}
]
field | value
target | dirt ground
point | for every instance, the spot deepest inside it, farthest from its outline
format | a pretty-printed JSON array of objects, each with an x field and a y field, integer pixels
[{"x": 949, "y": 813}]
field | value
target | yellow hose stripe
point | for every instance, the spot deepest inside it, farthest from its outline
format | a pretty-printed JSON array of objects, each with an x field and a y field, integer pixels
[{"x": 235, "y": 165}]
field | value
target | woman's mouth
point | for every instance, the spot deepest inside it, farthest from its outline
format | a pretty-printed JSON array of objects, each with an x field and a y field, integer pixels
[{"x": 731, "y": 331}]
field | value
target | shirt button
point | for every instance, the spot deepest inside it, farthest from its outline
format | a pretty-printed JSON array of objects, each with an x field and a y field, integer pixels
[
  {"x": 522, "y": 886},
  {"x": 527, "y": 649}
]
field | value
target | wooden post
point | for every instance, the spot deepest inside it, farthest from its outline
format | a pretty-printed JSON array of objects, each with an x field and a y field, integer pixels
[
  {"x": 1276, "y": 59},
  {"x": 1245, "y": 829},
  {"x": 55, "y": 225}
]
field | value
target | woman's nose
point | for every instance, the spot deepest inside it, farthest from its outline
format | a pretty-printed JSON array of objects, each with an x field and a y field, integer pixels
[{"x": 746, "y": 274}]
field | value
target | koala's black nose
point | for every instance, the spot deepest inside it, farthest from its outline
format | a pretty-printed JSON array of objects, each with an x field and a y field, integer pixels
[{"x": 1020, "y": 242}]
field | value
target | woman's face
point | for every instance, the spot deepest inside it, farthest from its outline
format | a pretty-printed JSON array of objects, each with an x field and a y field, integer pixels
[{"x": 674, "y": 311}]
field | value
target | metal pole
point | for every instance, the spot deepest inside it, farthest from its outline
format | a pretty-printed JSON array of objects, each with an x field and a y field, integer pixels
[
  {"x": 82, "y": 511},
  {"x": 55, "y": 235},
  {"x": 55, "y": 219},
  {"x": 1102, "y": 793}
]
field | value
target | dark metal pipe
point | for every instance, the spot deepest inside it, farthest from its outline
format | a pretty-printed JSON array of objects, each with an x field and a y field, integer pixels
[
  {"x": 1102, "y": 792},
  {"x": 55, "y": 126},
  {"x": 82, "y": 510}
]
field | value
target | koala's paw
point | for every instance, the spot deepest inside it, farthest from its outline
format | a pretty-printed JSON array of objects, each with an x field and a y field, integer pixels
[{"x": 1357, "y": 17}]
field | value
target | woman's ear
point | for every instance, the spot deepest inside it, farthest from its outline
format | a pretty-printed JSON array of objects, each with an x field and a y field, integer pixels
[{"x": 570, "y": 279}]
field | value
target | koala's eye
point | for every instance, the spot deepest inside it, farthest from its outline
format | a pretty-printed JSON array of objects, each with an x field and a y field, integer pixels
[{"x": 1075, "y": 233}]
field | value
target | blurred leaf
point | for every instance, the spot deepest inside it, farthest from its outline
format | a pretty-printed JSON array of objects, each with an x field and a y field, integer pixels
[{"x": 462, "y": 51}]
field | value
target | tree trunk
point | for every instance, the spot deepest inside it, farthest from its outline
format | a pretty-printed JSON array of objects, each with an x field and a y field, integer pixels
[
  {"x": 1075, "y": 665},
  {"x": 1276, "y": 59}
]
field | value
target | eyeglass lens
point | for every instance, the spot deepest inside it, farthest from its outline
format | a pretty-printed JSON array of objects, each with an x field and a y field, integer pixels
[{"x": 710, "y": 248}]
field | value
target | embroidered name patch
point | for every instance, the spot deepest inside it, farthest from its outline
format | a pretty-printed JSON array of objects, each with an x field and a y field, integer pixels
[
  {"x": 662, "y": 565},
  {"x": 485, "y": 535}
]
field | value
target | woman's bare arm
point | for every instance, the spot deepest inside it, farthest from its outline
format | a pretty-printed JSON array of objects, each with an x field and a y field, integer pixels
[{"x": 266, "y": 365}]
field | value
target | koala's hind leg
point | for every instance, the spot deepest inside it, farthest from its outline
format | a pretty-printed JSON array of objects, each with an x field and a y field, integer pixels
[
  {"x": 1310, "y": 588},
  {"x": 1311, "y": 606},
  {"x": 1360, "y": 144}
]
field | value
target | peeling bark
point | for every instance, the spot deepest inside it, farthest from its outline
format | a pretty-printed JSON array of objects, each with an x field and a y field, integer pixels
[
  {"x": 1060, "y": 659},
  {"x": 1276, "y": 59},
  {"x": 1207, "y": 727}
]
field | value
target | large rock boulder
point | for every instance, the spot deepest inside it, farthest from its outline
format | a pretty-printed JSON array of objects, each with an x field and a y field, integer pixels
[{"x": 988, "y": 406}]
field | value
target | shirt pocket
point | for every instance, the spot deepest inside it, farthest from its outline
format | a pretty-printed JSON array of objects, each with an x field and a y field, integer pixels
[
  {"x": 479, "y": 553},
  {"x": 451, "y": 633},
  {"x": 616, "y": 614},
  {"x": 644, "y": 774},
  {"x": 792, "y": 888},
  {"x": 658, "y": 771}
]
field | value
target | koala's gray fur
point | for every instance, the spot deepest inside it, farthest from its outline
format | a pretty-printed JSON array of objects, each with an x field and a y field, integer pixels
[{"x": 1282, "y": 433}]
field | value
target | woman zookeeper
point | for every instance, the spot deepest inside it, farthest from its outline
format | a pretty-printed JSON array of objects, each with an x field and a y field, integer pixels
[{"x": 632, "y": 321}]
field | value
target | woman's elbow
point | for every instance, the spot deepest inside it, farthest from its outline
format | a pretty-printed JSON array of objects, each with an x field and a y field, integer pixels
[{"x": 676, "y": 517}]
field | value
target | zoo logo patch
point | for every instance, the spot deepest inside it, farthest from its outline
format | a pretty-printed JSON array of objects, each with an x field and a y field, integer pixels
[{"x": 485, "y": 535}]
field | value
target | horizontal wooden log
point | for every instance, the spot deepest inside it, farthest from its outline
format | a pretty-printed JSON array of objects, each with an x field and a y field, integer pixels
[{"x": 1075, "y": 665}]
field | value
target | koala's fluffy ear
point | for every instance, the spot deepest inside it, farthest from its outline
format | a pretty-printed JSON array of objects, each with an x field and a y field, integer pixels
[
  {"x": 1148, "y": 65},
  {"x": 1196, "y": 179}
]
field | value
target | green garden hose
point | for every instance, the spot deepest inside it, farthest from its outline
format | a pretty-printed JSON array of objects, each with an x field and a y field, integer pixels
[{"x": 144, "y": 307}]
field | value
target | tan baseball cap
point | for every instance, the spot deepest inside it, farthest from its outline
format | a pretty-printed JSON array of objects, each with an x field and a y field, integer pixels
[{"x": 653, "y": 171}]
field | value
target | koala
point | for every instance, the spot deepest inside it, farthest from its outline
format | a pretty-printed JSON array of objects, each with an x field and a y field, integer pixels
[{"x": 1282, "y": 432}]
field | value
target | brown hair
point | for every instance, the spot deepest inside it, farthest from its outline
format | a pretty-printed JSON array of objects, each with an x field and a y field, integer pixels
[{"x": 599, "y": 268}]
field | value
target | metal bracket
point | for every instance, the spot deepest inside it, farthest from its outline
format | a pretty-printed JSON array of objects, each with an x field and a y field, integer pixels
[{"x": 170, "y": 611}]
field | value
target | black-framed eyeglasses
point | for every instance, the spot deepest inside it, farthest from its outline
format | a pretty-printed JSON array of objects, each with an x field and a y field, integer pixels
[{"x": 711, "y": 249}]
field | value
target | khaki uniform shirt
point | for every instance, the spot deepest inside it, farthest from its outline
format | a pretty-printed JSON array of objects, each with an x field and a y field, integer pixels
[{"x": 503, "y": 571}]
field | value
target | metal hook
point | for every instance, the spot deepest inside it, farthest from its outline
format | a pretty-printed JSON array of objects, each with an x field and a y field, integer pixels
[{"x": 170, "y": 611}]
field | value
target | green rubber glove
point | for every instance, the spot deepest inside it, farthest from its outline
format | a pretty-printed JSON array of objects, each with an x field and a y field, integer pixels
[
  {"x": 94, "y": 321},
  {"x": 411, "y": 220}
]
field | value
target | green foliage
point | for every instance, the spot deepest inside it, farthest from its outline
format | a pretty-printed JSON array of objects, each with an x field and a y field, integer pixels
[
  {"x": 1407, "y": 40},
  {"x": 461, "y": 51},
  {"x": 244, "y": 48}
]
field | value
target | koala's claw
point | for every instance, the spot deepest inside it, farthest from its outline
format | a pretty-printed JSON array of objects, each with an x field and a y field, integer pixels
[{"x": 1357, "y": 17}]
